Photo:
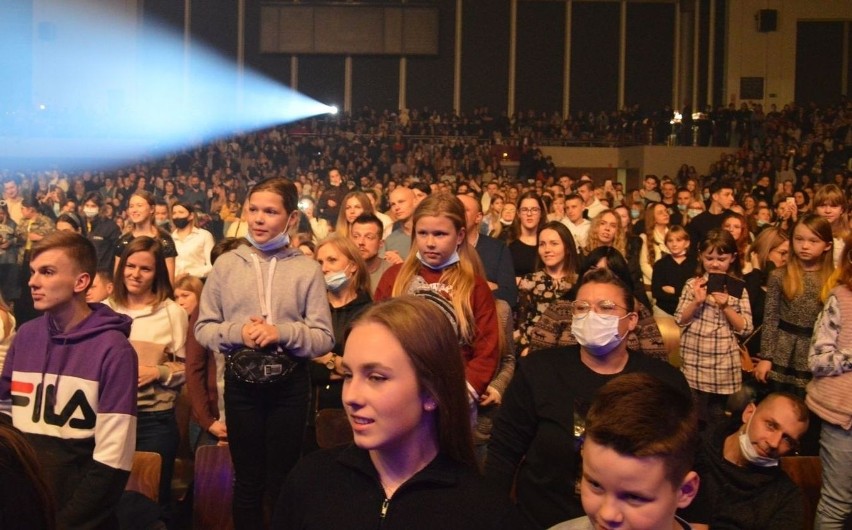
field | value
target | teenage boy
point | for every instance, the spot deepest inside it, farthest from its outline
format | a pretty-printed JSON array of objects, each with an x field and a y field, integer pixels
[
  {"x": 721, "y": 199},
  {"x": 637, "y": 457},
  {"x": 69, "y": 383}
]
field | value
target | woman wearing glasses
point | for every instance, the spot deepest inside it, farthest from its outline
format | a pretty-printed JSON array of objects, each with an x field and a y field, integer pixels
[
  {"x": 535, "y": 435},
  {"x": 530, "y": 220}
]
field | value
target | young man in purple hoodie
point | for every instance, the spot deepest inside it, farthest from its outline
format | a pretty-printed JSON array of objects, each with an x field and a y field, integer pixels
[{"x": 69, "y": 383}]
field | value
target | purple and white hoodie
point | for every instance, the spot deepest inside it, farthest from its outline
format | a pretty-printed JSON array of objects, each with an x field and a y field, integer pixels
[{"x": 73, "y": 394}]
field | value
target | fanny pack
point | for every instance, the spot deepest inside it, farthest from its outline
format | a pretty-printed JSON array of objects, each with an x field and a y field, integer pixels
[{"x": 259, "y": 366}]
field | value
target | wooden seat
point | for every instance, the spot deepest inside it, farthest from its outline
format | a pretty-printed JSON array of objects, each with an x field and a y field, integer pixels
[
  {"x": 145, "y": 474},
  {"x": 332, "y": 428},
  {"x": 214, "y": 488},
  {"x": 671, "y": 338},
  {"x": 806, "y": 472}
]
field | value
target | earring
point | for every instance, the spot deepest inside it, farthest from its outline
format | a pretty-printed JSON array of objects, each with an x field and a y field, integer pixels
[{"x": 430, "y": 405}]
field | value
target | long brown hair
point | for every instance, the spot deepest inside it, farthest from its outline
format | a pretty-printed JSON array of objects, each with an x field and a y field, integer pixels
[
  {"x": 792, "y": 282},
  {"x": 343, "y": 226},
  {"x": 650, "y": 225},
  {"x": 17, "y": 456},
  {"x": 430, "y": 342},
  {"x": 162, "y": 287}
]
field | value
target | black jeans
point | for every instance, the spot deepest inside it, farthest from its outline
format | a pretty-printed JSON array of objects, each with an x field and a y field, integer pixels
[{"x": 266, "y": 424}]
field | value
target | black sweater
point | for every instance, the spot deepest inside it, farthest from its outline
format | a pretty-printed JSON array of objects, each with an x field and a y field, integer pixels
[
  {"x": 742, "y": 498},
  {"x": 535, "y": 429},
  {"x": 669, "y": 273}
]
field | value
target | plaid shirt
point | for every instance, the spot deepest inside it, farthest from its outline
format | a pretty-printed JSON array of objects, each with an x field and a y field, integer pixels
[{"x": 710, "y": 356}]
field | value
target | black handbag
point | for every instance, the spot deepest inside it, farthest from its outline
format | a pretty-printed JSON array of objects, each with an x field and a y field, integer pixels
[{"x": 260, "y": 366}]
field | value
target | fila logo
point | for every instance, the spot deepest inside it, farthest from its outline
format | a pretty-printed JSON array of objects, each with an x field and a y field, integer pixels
[{"x": 44, "y": 405}]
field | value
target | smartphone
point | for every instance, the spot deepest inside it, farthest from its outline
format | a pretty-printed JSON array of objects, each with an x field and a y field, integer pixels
[
  {"x": 716, "y": 283},
  {"x": 791, "y": 201}
]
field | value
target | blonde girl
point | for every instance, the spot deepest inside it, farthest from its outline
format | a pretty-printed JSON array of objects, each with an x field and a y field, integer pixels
[
  {"x": 792, "y": 306},
  {"x": 354, "y": 204},
  {"x": 444, "y": 264},
  {"x": 140, "y": 222},
  {"x": 709, "y": 321},
  {"x": 606, "y": 231},
  {"x": 653, "y": 240},
  {"x": 830, "y": 203}
]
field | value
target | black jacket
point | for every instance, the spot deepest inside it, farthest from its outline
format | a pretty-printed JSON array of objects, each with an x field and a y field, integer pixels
[{"x": 340, "y": 488}]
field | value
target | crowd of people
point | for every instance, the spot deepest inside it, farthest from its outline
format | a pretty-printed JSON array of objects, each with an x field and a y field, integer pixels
[{"x": 464, "y": 318}]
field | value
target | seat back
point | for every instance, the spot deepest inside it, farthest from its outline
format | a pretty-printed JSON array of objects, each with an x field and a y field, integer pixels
[
  {"x": 145, "y": 474},
  {"x": 671, "y": 338},
  {"x": 332, "y": 428},
  {"x": 806, "y": 472},
  {"x": 214, "y": 488}
]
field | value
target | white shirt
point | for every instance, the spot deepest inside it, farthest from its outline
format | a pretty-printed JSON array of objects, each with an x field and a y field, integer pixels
[
  {"x": 193, "y": 253},
  {"x": 595, "y": 208},
  {"x": 580, "y": 232},
  {"x": 387, "y": 223}
]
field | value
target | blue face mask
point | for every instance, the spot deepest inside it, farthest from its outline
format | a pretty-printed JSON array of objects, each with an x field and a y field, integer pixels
[
  {"x": 334, "y": 281},
  {"x": 634, "y": 214},
  {"x": 452, "y": 260},
  {"x": 279, "y": 241},
  {"x": 682, "y": 207}
]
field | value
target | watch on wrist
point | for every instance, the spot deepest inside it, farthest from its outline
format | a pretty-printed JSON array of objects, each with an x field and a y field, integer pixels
[{"x": 331, "y": 364}]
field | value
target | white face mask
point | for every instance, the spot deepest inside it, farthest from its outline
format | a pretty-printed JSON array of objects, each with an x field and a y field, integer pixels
[
  {"x": 90, "y": 212},
  {"x": 279, "y": 241},
  {"x": 598, "y": 334},
  {"x": 750, "y": 452},
  {"x": 452, "y": 260}
]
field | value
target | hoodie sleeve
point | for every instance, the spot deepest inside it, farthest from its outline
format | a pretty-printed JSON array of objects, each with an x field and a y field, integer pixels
[
  {"x": 96, "y": 496},
  {"x": 311, "y": 335}
]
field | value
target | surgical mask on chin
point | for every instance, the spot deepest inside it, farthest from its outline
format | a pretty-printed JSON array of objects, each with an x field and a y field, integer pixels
[
  {"x": 90, "y": 212},
  {"x": 279, "y": 241},
  {"x": 693, "y": 213},
  {"x": 681, "y": 207},
  {"x": 505, "y": 222},
  {"x": 334, "y": 281},
  {"x": 452, "y": 260},
  {"x": 750, "y": 452},
  {"x": 598, "y": 334}
]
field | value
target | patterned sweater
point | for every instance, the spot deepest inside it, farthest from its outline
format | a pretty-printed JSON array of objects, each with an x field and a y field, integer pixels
[{"x": 829, "y": 394}]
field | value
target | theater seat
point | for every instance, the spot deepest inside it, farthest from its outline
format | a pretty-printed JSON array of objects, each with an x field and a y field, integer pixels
[
  {"x": 214, "y": 488},
  {"x": 332, "y": 427},
  {"x": 671, "y": 338},
  {"x": 145, "y": 474},
  {"x": 806, "y": 472}
]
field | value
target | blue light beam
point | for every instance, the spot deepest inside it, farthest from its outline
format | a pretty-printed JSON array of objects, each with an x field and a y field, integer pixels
[{"x": 106, "y": 87}]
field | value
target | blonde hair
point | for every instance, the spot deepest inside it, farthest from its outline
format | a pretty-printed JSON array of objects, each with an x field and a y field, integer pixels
[
  {"x": 460, "y": 276},
  {"x": 620, "y": 241},
  {"x": 792, "y": 282},
  {"x": 342, "y": 227},
  {"x": 650, "y": 225},
  {"x": 361, "y": 277}
]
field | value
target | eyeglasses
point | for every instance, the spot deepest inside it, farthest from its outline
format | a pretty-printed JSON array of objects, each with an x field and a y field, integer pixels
[
  {"x": 581, "y": 308},
  {"x": 530, "y": 211}
]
